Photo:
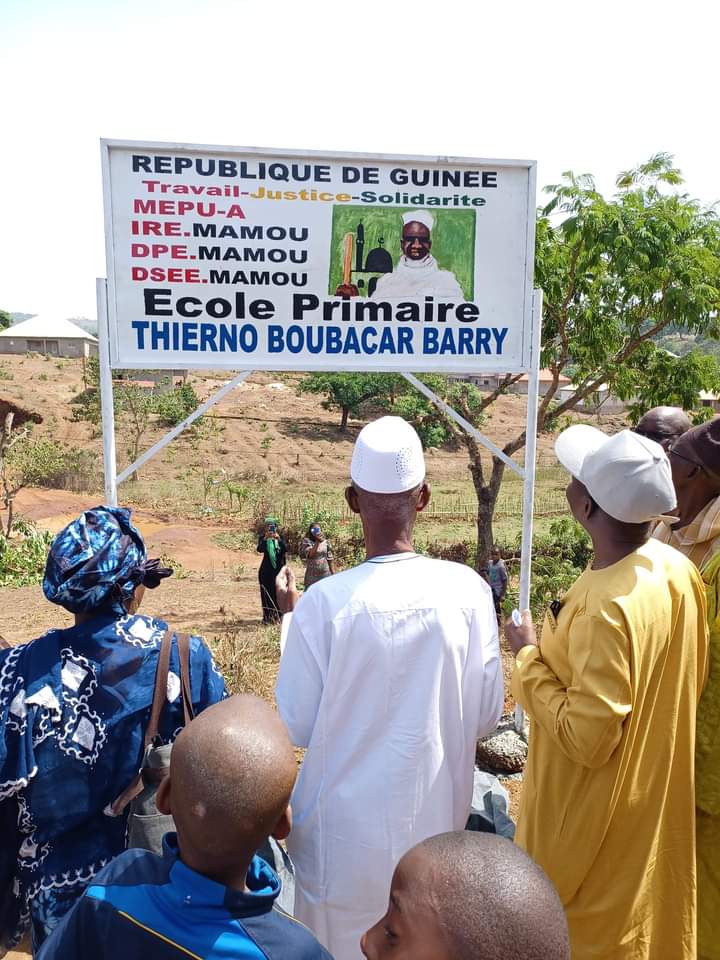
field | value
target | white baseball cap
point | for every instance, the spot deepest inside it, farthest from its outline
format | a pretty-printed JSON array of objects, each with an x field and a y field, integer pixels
[
  {"x": 388, "y": 457},
  {"x": 627, "y": 475}
]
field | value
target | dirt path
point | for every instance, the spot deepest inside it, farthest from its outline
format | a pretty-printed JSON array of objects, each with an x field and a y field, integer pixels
[{"x": 190, "y": 543}]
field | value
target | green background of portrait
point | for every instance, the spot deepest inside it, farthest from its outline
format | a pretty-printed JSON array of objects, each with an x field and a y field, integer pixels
[{"x": 453, "y": 241}]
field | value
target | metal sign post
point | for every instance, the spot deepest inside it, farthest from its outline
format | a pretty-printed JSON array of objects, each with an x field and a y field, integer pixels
[
  {"x": 107, "y": 403},
  {"x": 529, "y": 479}
]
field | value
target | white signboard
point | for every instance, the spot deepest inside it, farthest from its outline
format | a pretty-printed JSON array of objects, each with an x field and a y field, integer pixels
[{"x": 243, "y": 258}]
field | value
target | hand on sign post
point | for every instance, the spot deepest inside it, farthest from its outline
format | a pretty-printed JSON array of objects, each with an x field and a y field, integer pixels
[
  {"x": 522, "y": 634},
  {"x": 286, "y": 592}
]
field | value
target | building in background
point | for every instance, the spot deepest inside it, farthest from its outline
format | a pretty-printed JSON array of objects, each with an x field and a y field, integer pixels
[
  {"x": 545, "y": 382},
  {"x": 49, "y": 336},
  {"x": 708, "y": 399}
]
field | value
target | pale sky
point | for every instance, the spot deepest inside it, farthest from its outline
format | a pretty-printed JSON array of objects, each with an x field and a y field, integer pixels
[{"x": 593, "y": 87}]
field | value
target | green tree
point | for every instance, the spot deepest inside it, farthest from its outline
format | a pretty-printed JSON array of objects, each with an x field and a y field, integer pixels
[
  {"x": 134, "y": 406},
  {"x": 176, "y": 405},
  {"x": 5, "y": 320},
  {"x": 349, "y": 392},
  {"x": 616, "y": 274},
  {"x": 24, "y": 460},
  {"x": 654, "y": 377}
]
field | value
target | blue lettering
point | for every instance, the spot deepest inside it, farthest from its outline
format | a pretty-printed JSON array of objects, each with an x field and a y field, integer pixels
[
  {"x": 499, "y": 338},
  {"x": 189, "y": 337},
  {"x": 159, "y": 336},
  {"x": 430, "y": 340},
  {"x": 352, "y": 344},
  {"x": 448, "y": 342},
  {"x": 405, "y": 339},
  {"x": 314, "y": 342},
  {"x": 294, "y": 339},
  {"x": 387, "y": 341},
  {"x": 483, "y": 340},
  {"x": 333, "y": 340},
  {"x": 208, "y": 337},
  {"x": 466, "y": 339},
  {"x": 228, "y": 337},
  {"x": 275, "y": 338},
  {"x": 248, "y": 337},
  {"x": 368, "y": 334},
  {"x": 140, "y": 326}
]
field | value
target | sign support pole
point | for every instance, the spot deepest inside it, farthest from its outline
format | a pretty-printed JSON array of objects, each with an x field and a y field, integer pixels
[
  {"x": 529, "y": 480},
  {"x": 107, "y": 404}
]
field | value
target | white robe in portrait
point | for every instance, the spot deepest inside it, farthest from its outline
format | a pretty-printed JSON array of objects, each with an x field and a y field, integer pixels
[
  {"x": 389, "y": 674},
  {"x": 418, "y": 278}
]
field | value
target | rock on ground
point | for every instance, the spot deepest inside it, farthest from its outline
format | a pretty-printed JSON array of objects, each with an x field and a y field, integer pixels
[{"x": 504, "y": 751}]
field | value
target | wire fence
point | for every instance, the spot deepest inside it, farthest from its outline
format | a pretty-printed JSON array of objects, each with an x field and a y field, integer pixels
[{"x": 443, "y": 508}]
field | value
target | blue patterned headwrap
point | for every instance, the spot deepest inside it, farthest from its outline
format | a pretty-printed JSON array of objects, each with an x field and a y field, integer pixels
[{"x": 97, "y": 561}]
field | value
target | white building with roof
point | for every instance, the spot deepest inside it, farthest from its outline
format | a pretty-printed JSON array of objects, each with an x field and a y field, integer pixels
[{"x": 48, "y": 335}]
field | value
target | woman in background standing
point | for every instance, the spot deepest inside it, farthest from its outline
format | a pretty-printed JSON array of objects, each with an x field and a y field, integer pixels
[
  {"x": 273, "y": 548},
  {"x": 317, "y": 554}
]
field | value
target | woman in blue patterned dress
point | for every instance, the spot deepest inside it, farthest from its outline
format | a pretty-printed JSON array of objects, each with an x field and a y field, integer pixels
[{"x": 74, "y": 706}]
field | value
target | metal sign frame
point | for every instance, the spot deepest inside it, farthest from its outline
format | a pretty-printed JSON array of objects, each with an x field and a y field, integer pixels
[
  {"x": 525, "y": 472},
  {"x": 526, "y": 362}
]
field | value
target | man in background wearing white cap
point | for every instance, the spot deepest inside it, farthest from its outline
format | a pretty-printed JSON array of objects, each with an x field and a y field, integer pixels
[
  {"x": 390, "y": 673},
  {"x": 417, "y": 273},
  {"x": 612, "y": 689}
]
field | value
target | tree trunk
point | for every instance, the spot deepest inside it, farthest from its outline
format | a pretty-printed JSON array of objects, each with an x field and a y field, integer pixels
[
  {"x": 487, "y": 494},
  {"x": 10, "y": 516},
  {"x": 344, "y": 421}
]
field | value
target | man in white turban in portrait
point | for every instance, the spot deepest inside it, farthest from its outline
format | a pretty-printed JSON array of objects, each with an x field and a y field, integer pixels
[{"x": 417, "y": 273}]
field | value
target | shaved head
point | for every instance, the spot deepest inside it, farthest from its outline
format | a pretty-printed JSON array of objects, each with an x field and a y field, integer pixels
[
  {"x": 663, "y": 424},
  {"x": 470, "y": 896},
  {"x": 231, "y": 774}
]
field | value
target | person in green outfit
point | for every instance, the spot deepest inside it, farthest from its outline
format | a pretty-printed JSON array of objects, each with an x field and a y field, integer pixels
[{"x": 274, "y": 549}]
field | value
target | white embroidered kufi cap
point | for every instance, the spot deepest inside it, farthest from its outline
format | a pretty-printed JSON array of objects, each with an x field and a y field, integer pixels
[
  {"x": 420, "y": 216},
  {"x": 388, "y": 457}
]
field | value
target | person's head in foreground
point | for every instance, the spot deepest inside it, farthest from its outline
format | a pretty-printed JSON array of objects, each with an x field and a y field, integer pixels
[
  {"x": 495, "y": 554},
  {"x": 388, "y": 486},
  {"x": 695, "y": 462},
  {"x": 231, "y": 774},
  {"x": 619, "y": 484},
  {"x": 663, "y": 425},
  {"x": 416, "y": 241},
  {"x": 98, "y": 565},
  {"x": 469, "y": 896}
]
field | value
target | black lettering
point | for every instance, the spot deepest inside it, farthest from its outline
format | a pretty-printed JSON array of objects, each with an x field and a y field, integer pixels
[{"x": 155, "y": 300}]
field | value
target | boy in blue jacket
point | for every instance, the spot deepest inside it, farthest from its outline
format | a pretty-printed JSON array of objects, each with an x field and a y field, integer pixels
[{"x": 209, "y": 895}]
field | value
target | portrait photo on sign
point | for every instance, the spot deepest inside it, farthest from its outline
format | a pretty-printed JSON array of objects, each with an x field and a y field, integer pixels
[{"x": 402, "y": 252}]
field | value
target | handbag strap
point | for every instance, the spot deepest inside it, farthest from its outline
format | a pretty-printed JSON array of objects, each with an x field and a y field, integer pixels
[
  {"x": 158, "y": 702},
  {"x": 160, "y": 691},
  {"x": 183, "y": 641}
]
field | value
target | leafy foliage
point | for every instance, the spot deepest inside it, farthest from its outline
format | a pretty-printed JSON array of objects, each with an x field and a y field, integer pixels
[
  {"x": 22, "y": 558},
  {"x": 135, "y": 406},
  {"x": 176, "y": 405},
  {"x": 350, "y": 392},
  {"x": 6, "y": 320},
  {"x": 655, "y": 377},
  {"x": 559, "y": 557},
  {"x": 616, "y": 274}
]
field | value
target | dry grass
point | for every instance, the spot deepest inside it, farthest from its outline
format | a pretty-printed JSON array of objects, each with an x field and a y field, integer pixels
[{"x": 248, "y": 658}]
